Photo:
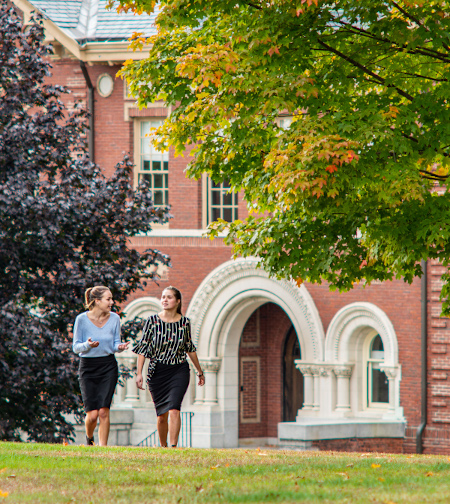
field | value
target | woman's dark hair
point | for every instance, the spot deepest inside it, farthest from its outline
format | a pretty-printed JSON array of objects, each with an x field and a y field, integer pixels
[
  {"x": 177, "y": 295},
  {"x": 92, "y": 294}
]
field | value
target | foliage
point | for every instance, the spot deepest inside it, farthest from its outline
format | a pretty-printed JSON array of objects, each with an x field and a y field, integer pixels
[
  {"x": 61, "y": 474},
  {"x": 353, "y": 189},
  {"x": 63, "y": 227}
]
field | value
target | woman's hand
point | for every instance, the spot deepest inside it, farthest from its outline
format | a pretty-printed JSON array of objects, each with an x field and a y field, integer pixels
[
  {"x": 201, "y": 379},
  {"x": 93, "y": 344},
  {"x": 123, "y": 346},
  {"x": 140, "y": 381}
]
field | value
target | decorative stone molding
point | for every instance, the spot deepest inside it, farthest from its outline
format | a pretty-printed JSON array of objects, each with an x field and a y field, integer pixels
[
  {"x": 235, "y": 270},
  {"x": 391, "y": 372},
  {"x": 348, "y": 320},
  {"x": 212, "y": 364},
  {"x": 313, "y": 368},
  {"x": 305, "y": 369},
  {"x": 344, "y": 371}
]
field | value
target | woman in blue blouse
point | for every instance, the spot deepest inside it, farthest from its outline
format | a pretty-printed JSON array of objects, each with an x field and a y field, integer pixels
[
  {"x": 96, "y": 338},
  {"x": 166, "y": 339}
]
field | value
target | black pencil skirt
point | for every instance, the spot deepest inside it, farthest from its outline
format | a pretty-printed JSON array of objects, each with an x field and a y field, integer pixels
[
  {"x": 98, "y": 379},
  {"x": 168, "y": 386}
]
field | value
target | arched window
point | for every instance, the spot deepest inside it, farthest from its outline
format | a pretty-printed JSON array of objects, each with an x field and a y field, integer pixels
[{"x": 377, "y": 381}]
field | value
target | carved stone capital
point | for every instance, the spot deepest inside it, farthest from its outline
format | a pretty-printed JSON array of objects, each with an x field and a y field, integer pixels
[
  {"x": 212, "y": 364},
  {"x": 391, "y": 372},
  {"x": 343, "y": 370},
  {"x": 304, "y": 368}
]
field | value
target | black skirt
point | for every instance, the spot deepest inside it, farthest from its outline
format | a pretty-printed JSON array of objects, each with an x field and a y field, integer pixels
[
  {"x": 98, "y": 379},
  {"x": 168, "y": 386}
]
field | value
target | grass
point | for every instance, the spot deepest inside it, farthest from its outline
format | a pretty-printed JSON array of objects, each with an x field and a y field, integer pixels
[{"x": 39, "y": 473}]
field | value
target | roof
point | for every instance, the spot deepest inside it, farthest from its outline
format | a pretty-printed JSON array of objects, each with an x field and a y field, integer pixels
[{"x": 89, "y": 20}]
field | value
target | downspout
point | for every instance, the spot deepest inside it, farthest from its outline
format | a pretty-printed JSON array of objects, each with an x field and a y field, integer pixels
[
  {"x": 91, "y": 143},
  {"x": 424, "y": 311}
]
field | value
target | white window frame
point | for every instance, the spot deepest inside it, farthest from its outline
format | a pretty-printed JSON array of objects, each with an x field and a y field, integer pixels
[
  {"x": 207, "y": 190},
  {"x": 368, "y": 366},
  {"x": 142, "y": 151}
]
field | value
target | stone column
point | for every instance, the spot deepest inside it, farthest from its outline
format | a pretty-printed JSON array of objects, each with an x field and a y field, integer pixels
[
  {"x": 131, "y": 391},
  {"x": 317, "y": 372},
  {"x": 210, "y": 368},
  {"x": 391, "y": 373},
  {"x": 308, "y": 384},
  {"x": 343, "y": 374}
]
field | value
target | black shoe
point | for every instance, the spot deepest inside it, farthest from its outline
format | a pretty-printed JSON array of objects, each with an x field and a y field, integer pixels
[{"x": 89, "y": 441}]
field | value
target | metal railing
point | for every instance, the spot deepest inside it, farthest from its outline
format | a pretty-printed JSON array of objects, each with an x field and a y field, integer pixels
[{"x": 184, "y": 439}]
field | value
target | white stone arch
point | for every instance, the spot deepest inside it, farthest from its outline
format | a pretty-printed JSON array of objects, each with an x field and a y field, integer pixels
[
  {"x": 234, "y": 290},
  {"x": 219, "y": 310},
  {"x": 352, "y": 322},
  {"x": 346, "y": 349},
  {"x": 142, "y": 307}
]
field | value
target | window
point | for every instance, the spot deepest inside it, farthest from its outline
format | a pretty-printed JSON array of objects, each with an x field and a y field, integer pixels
[
  {"x": 284, "y": 121},
  {"x": 151, "y": 164},
  {"x": 377, "y": 381},
  {"x": 220, "y": 202}
]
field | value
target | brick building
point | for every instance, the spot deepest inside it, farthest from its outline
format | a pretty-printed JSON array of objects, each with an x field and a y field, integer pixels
[{"x": 298, "y": 367}]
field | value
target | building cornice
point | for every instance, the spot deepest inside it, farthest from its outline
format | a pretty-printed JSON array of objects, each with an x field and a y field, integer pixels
[{"x": 89, "y": 52}]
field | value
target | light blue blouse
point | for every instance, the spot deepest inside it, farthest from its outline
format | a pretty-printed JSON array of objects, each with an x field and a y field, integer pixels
[{"x": 108, "y": 336}]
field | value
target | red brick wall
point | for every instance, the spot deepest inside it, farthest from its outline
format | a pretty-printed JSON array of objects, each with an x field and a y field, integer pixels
[
  {"x": 365, "y": 445},
  {"x": 437, "y": 434},
  {"x": 113, "y": 135},
  {"x": 192, "y": 260}
]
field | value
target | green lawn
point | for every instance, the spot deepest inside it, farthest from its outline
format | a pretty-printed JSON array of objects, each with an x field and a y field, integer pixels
[{"x": 37, "y": 473}]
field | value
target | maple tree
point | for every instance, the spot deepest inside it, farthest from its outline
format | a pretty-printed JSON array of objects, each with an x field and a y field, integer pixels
[{"x": 332, "y": 118}]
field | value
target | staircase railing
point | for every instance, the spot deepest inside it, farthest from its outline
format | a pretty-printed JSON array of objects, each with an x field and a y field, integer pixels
[{"x": 184, "y": 439}]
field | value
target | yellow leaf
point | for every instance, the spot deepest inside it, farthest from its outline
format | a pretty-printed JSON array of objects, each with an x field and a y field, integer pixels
[
  {"x": 3, "y": 494},
  {"x": 429, "y": 473},
  {"x": 376, "y": 466}
]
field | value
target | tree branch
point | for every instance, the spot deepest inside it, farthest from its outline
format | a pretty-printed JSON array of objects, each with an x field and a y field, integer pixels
[
  {"x": 250, "y": 4},
  {"x": 409, "y": 16},
  {"x": 419, "y": 50},
  {"x": 423, "y": 77},
  {"x": 355, "y": 63},
  {"x": 433, "y": 176}
]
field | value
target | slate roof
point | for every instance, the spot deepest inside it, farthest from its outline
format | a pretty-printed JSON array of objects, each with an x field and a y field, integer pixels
[{"x": 89, "y": 20}]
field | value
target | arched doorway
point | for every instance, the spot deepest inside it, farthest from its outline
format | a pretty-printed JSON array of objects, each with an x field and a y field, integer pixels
[
  {"x": 261, "y": 349},
  {"x": 221, "y": 307},
  {"x": 292, "y": 378}
]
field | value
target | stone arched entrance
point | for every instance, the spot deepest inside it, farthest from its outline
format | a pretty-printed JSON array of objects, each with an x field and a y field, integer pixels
[{"x": 219, "y": 310}]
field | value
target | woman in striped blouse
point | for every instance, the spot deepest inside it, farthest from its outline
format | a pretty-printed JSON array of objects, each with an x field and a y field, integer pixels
[{"x": 166, "y": 339}]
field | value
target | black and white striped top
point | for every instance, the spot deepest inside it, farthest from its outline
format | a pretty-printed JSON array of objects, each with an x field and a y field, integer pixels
[{"x": 165, "y": 342}]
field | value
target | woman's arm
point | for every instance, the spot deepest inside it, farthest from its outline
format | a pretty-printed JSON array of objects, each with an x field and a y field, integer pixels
[
  {"x": 194, "y": 359},
  {"x": 80, "y": 346},
  {"x": 139, "y": 378}
]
